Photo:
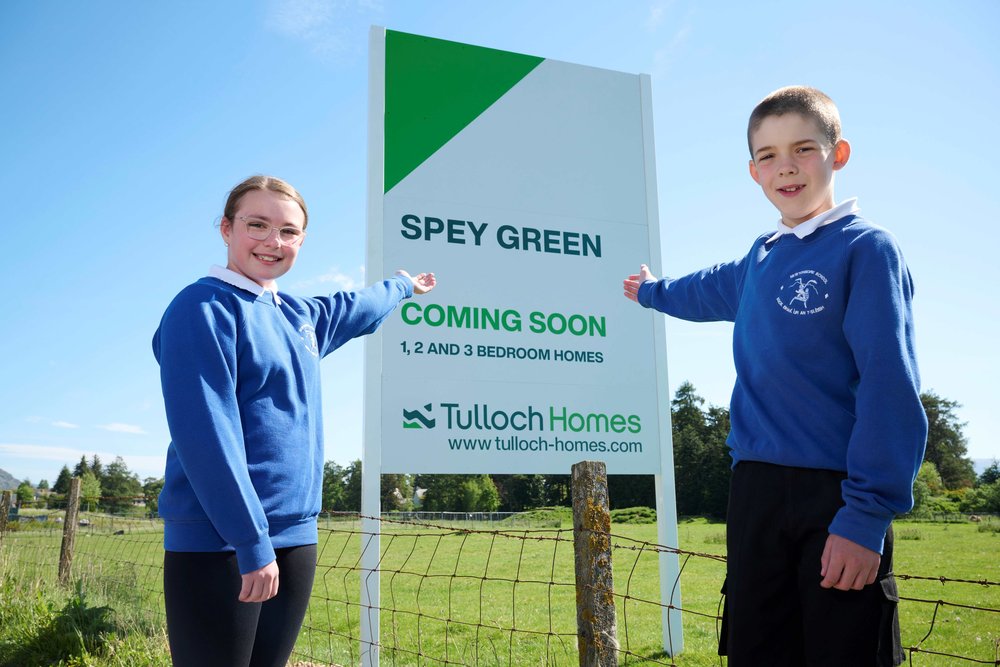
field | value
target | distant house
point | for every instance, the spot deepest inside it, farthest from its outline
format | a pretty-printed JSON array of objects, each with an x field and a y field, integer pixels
[{"x": 418, "y": 497}]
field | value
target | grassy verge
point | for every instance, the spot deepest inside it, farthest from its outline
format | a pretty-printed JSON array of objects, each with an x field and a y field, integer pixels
[{"x": 85, "y": 625}]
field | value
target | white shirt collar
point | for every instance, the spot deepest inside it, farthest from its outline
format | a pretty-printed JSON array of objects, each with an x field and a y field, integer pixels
[
  {"x": 242, "y": 282},
  {"x": 804, "y": 229}
]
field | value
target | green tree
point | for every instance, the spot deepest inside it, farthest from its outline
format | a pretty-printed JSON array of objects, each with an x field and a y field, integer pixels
[
  {"x": 440, "y": 493},
  {"x": 119, "y": 486},
  {"x": 334, "y": 487},
  {"x": 946, "y": 442},
  {"x": 81, "y": 468},
  {"x": 151, "y": 487},
  {"x": 25, "y": 493},
  {"x": 558, "y": 490},
  {"x": 927, "y": 485},
  {"x": 43, "y": 485},
  {"x": 97, "y": 468},
  {"x": 397, "y": 492},
  {"x": 459, "y": 493},
  {"x": 701, "y": 456},
  {"x": 352, "y": 487},
  {"x": 62, "y": 481},
  {"x": 718, "y": 463},
  {"x": 990, "y": 475},
  {"x": 519, "y": 492},
  {"x": 985, "y": 499},
  {"x": 631, "y": 491},
  {"x": 479, "y": 494},
  {"x": 90, "y": 490},
  {"x": 689, "y": 454}
]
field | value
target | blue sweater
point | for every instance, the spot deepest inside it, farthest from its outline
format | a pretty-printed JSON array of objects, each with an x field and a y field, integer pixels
[
  {"x": 241, "y": 386},
  {"x": 826, "y": 375}
]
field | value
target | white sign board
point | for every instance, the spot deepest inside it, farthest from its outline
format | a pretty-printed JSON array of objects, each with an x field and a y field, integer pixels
[
  {"x": 526, "y": 358},
  {"x": 528, "y": 187}
]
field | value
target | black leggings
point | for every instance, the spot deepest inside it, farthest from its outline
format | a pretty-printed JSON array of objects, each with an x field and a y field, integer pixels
[{"x": 208, "y": 625}]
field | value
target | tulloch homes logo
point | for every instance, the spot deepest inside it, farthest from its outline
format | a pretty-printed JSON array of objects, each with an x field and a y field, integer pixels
[
  {"x": 482, "y": 417},
  {"x": 417, "y": 419}
]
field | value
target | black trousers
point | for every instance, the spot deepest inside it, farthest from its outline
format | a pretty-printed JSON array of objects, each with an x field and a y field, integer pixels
[
  {"x": 775, "y": 612},
  {"x": 208, "y": 625}
]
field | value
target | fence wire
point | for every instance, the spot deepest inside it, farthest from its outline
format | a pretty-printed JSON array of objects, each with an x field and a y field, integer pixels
[{"x": 469, "y": 593}]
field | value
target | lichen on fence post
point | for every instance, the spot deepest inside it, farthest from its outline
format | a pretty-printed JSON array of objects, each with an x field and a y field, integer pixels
[
  {"x": 595, "y": 602},
  {"x": 4, "y": 511},
  {"x": 69, "y": 530}
]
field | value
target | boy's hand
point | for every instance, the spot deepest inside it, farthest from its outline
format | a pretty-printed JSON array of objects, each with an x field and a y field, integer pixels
[
  {"x": 632, "y": 282},
  {"x": 847, "y": 565},
  {"x": 422, "y": 282}
]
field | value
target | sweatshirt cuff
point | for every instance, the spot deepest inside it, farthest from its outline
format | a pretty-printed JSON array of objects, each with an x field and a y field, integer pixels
[
  {"x": 255, "y": 555},
  {"x": 407, "y": 286},
  {"x": 645, "y": 294},
  {"x": 864, "y": 529}
]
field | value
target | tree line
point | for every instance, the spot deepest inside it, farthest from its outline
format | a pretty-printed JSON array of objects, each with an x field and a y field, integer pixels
[
  {"x": 947, "y": 482},
  {"x": 111, "y": 488}
]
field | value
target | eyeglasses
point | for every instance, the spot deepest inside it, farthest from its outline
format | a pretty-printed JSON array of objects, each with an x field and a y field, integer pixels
[{"x": 261, "y": 230}]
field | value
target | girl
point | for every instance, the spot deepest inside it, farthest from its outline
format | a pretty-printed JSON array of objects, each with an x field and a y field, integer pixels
[{"x": 239, "y": 368}]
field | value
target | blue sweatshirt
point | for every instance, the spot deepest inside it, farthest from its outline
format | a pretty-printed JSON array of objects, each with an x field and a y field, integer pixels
[
  {"x": 241, "y": 385},
  {"x": 826, "y": 375}
]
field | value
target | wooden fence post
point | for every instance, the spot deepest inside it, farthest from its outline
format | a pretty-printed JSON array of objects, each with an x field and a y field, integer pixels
[
  {"x": 597, "y": 635},
  {"x": 4, "y": 511},
  {"x": 69, "y": 530}
]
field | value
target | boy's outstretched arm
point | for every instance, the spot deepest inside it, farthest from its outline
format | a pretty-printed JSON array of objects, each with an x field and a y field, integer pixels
[
  {"x": 846, "y": 565},
  {"x": 631, "y": 284}
]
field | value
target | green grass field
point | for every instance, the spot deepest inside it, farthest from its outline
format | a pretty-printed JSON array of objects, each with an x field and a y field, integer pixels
[{"x": 502, "y": 596}]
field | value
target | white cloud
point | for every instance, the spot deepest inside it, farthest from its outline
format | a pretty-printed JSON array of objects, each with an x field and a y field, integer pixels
[
  {"x": 118, "y": 427},
  {"x": 62, "y": 454},
  {"x": 334, "y": 278},
  {"x": 62, "y": 424},
  {"x": 657, "y": 11},
  {"x": 330, "y": 28},
  {"x": 664, "y": 57}
]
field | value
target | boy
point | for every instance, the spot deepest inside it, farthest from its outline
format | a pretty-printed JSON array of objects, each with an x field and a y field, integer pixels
[{"x": 828, "y": 431}]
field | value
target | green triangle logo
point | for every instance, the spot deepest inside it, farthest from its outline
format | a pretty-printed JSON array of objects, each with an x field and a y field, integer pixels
[{"x": 433, "y": 90}]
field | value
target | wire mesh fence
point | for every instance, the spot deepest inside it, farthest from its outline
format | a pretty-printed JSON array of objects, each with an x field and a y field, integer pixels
[{"x": 491, "y": 591}]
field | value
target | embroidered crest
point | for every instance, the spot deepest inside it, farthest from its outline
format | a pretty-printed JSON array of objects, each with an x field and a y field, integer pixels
[
  {"x": 805, "y": 293},
  {"x": 309, "y": 338}
]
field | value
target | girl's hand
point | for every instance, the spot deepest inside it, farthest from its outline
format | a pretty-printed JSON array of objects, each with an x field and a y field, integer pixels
[
  {"x": 260, "y": 585},
  {"x": 422, "y": 282}
]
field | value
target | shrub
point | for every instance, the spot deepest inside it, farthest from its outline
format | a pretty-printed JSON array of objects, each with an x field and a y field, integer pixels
[{"x": 634, "y": 515}]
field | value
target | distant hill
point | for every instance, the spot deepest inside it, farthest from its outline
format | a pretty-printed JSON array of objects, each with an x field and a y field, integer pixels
[{"x": 8, "y": 481}]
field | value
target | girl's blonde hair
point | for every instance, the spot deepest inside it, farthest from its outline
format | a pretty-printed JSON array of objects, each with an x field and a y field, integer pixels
[{"x": 261, "y": 182}]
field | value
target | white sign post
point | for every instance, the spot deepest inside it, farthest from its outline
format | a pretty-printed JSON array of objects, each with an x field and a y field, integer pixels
[{"x": 529, "y": 187}]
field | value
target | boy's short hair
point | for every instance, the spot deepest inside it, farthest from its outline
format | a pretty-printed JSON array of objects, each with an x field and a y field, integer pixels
[{"x": 803, "y": 100}]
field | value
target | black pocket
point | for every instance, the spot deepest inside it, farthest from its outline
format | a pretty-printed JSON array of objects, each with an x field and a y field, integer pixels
[
  {"x": 723, "y": 630},
  {"x": 890, "y": 648}
]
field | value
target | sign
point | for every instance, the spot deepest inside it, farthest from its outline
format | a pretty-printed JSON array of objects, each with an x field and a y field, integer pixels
[
  {"x": 525, "y": 185},
  {"x": 528, "y": 186}
]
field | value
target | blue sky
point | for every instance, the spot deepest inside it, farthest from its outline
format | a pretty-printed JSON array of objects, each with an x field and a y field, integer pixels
[{"x": 126, "y": 124}]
